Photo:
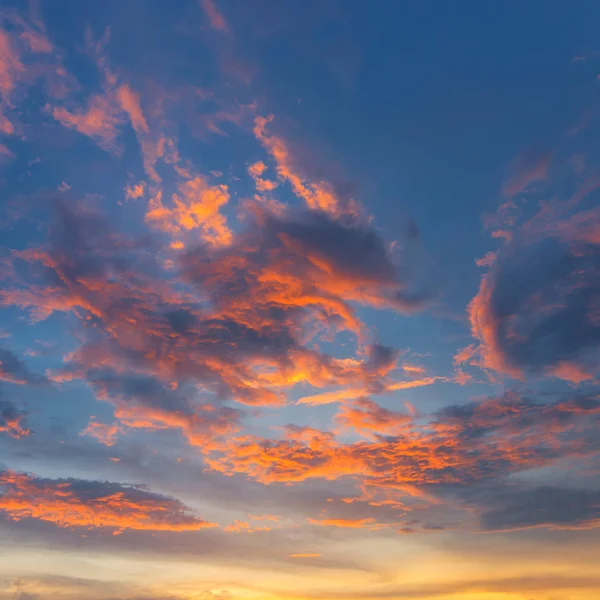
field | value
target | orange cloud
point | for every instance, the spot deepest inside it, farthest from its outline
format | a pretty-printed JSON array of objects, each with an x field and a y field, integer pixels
[
  {"x": 13, "y": 428},
  {"x": 487, "y": 260},
  {"x": 447, "y": 448},
  {"x": 73, "y": 503},
  {"x": 304, "y": 555},
  {"x": 406, "y": 385},
  {"x": 256, "y": 170},
  {"x": 6, "y": 127},
  {"x": 368, "y": 418},
  {"x": 196, "y": 205},
  {"x": 354, "y": 393},
  {"x": 318, "y": 196},
  {"x": 465, "y": 354},
  {"x": 135, "y": 191},
  {"x": 484, "y": 328},
  {"x": 570, "y": 372},
  {"x": 152, "y": 149},
  {"x": 105, "y": 434},
  {"x": 329, "y": 397},
  {"x": 243, "y": 527},
  {"x": 12, "y": 420},
  {"x": 130, "y": 103},
  {"x": 264, "y": 518},
  {"x": 345, "y": 523}
]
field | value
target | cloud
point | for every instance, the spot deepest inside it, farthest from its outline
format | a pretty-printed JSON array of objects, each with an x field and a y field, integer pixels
[
  {"x": 537, "y": 308},
  {"x": 215, "y": 16},
  {"x": 256, "y": 171},
  {"x": 463, "y": 444},
  {"x": 105, "y": 434},
  {"x": 317, "y": 195},
  {"x": 100, "y": 120},
  {"x": 544, "y": 506},
  {"x": 135, "y": 191},
  {"x": 145, "y": 403},
  {"x": 27, "y": 56},
  {"x": 6, "y": 155},
  {"x": 14, "y": 370},
  {"x": 196, "y": 206},
  {"x": 10, "y": 65},
  {"x": 236, "y": 319},
  {"x": 130, "y": 103},
  {"x": 152, "y": 147},
  {"x": 104, "y": 113},
  {"x": 526, "y": 170},
  {"x": 368, "y": 418},
  {"x": 12, "y": 420},
  {"x": 92, "y": 504},
  {"x": 344, "y": 523}
]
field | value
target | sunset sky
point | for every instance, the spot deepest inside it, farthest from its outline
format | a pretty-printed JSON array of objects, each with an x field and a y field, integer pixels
[{"x": 299, "y": 300}]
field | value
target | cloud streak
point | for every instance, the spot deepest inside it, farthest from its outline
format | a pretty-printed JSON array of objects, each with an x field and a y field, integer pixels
[{"x": 77, "y": 503}]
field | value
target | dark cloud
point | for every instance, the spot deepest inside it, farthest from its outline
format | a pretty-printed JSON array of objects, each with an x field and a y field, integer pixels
[
  {"x": 545, "y": 506},
  {"x": 14, "y": 370},
  {"x": 537, "y": 309}
]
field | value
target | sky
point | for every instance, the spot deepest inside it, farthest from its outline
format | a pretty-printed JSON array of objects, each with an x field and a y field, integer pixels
[{"x": 299, "y": 300}]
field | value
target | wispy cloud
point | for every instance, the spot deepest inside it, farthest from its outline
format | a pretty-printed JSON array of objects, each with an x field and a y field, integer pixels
[{"x": 214, "y": 15}]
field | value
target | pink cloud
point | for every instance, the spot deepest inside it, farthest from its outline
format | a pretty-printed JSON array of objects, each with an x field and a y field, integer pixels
[
  {"x": 99, "y": 120},
  {"x": 215, "y": 16},
  {"x": 525, "y": 172}
]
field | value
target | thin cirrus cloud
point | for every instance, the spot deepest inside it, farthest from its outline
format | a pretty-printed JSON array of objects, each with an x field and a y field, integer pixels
[{"x": 215, "y": 16}]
